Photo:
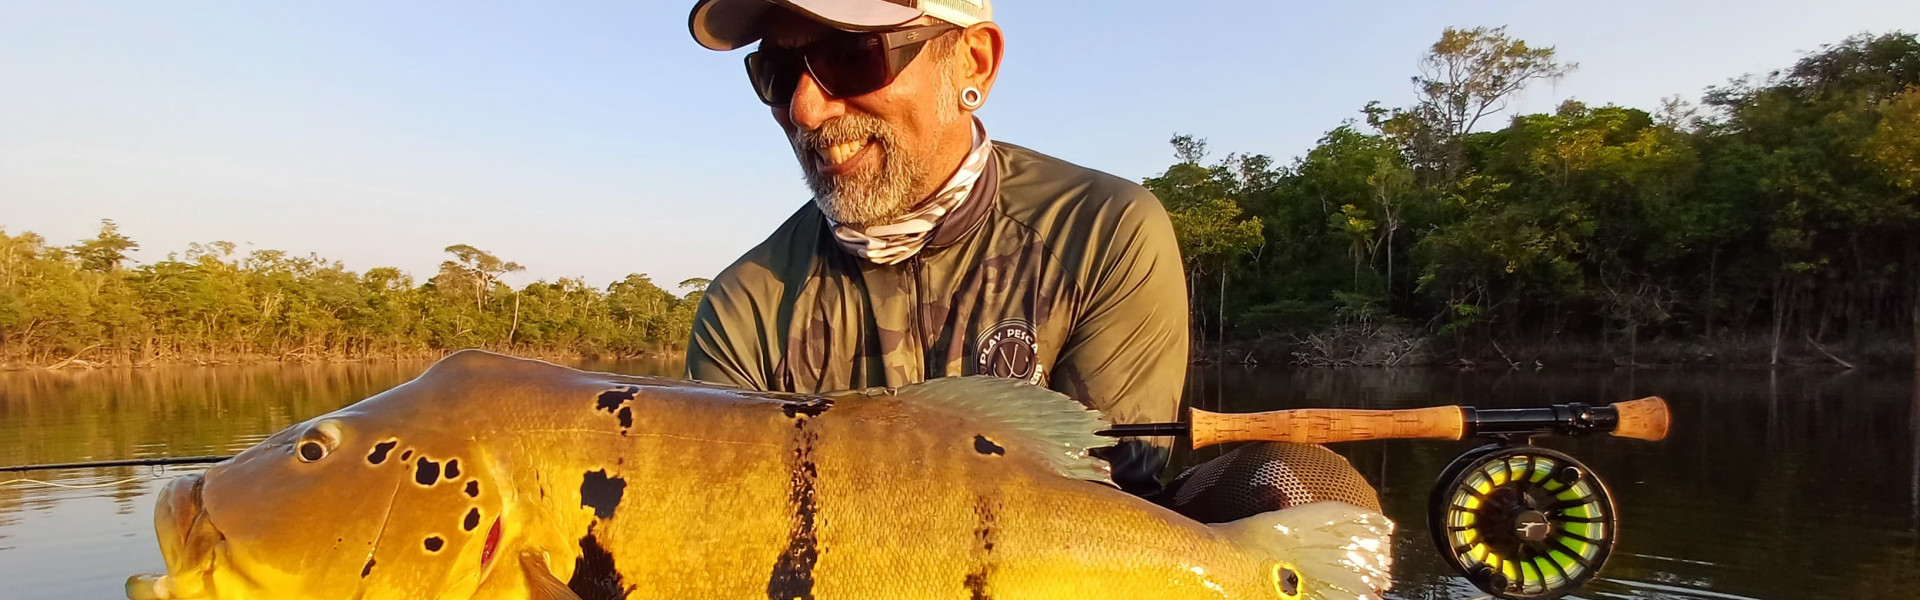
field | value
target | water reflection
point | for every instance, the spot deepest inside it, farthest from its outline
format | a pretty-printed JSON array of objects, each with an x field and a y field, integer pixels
[{"x": 1773, "y": 485}]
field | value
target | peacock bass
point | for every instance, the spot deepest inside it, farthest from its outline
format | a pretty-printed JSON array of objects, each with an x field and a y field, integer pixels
[{"x": 491, "y": 477}]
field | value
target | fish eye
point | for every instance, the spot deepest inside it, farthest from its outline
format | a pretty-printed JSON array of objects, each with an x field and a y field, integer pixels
[
  {"x": 312, "y": 451},
  {"x": 318, "y": 441}
]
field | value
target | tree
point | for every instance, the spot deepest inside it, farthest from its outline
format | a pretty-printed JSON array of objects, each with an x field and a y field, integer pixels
[
  {"x": 1802, "y": 141},
  {"x": 214, "y": 303},
  {"x": 1206, "y": 220},
  {"x": 476, "y": 269},
  {"x": 1895, "y": 148},
  {"x": 1363, "y": 187},
  {"x": 1895, "y": 144},
  {"x": 106, "y": 251},
  {"x": 695, "y": 284},
  {"x": 1390, "y": 182},
  {"x": 1466, "y": 76}
]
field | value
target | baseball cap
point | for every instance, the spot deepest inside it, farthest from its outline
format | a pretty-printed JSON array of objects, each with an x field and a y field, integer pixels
[{"x": 732, "y": 24}]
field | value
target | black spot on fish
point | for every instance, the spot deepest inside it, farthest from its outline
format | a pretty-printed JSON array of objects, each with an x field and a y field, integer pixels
[
  {"x": 602, "y": 493},
  {"x": 364, "y": 571},
  {"x": 1289, "y": 582},
  {"x": 472, "y": 521},
  {"x": 626, "y": 418},
  {"x": 453, "y": 468},
  {"x": 793, "y": 572},
  {"x": 811, "y": 406},
  {"x": 594, "y": 574},
  {"x": 977, "y": 586},
  {"x": 985, "y": 524},
  {"x": 986, "y": 446},
  {"x": 984, "y": 532},
  {"x": 434, "y": 544},
  {"x": 611, "y": 400},
  {"x": 406, "y": 456},
  {"x": 380, "y": 450},
  {"x": 425, "y": 472},
  {"x": 473, "y": 489}
]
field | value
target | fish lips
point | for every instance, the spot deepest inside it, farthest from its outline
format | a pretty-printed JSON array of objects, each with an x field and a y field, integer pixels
[{"x": 188, "y": 542}]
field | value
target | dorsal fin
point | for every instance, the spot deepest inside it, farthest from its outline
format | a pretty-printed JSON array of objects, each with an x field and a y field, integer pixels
[{"x": 1030, "y": 418}]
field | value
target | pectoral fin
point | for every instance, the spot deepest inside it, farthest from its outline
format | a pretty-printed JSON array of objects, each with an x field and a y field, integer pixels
[
  {"x": 1021, "y": 416},
  {"x": 541, "y": 584}
]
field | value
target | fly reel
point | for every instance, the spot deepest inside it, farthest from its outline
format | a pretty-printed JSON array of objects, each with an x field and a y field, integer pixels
[{"x": 1522, "y": 522}]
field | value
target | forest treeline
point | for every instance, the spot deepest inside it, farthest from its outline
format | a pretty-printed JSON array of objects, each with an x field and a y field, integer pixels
[
  {"x": 84, "y": 303},
  {"x": 1776, "y": 219}
]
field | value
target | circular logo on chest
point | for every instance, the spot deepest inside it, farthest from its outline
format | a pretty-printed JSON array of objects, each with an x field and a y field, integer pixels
[{"x": 1009, "y": 350}]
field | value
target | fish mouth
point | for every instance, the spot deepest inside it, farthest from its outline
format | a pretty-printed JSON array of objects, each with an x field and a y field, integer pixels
[{"x": 188, "y": 541}]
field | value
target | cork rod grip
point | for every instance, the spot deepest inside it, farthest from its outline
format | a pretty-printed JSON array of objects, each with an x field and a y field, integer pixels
[
  {"x": 1326, "y": 425},
  {"x": 1643, "y": 419}
]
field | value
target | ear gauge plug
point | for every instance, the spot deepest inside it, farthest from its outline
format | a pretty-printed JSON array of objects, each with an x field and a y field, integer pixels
[{"x": 971, "y": 98}]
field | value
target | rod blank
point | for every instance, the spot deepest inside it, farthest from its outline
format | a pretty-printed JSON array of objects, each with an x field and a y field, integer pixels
[{"x": 136, "y": 462}]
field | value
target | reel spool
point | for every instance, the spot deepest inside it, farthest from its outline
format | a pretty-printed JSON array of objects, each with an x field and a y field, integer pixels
[{"x": 1522, "y": 522}]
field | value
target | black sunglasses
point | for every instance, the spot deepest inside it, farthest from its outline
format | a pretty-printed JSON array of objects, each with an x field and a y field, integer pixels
[{"x": 844, "y": 64}]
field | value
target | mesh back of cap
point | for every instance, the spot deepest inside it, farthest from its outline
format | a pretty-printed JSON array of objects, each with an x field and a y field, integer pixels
[{"x": 959, "y": 12}]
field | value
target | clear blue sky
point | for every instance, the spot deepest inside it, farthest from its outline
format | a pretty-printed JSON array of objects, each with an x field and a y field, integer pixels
[{"x": 595, "y": 139}]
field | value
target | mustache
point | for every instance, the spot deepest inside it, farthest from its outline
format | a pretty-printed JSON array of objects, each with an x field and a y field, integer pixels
[{"x": 840, "y": 130}]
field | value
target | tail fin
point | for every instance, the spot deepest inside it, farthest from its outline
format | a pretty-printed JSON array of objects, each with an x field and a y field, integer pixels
[{"x": 1321, "y": 551}]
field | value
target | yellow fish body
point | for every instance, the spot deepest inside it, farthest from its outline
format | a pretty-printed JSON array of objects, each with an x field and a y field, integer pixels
[{"x": 493, "y": 478}]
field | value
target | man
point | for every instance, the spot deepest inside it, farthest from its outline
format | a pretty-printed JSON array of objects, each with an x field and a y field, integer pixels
[{"x": 931, "y": 250}]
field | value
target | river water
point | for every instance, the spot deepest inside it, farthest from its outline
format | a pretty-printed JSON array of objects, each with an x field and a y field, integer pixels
[{"x": 1792, "y": 484}]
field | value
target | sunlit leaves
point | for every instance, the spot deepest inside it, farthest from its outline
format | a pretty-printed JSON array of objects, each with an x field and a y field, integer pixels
[
  {"x": 213, "y": 302},
  {"x": 106, "y": 251},
  {"x": 1894, "y": 146}
]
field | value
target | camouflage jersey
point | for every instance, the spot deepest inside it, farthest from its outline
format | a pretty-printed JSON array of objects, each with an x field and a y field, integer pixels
[{"x": 1049, "y": 272}]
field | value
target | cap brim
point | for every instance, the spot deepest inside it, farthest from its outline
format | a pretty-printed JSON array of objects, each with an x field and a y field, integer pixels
[{"x": 734, "y": 24}]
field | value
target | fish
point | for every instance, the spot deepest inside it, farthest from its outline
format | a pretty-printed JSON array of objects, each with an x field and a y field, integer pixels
[{"x": 493, "y": 477}]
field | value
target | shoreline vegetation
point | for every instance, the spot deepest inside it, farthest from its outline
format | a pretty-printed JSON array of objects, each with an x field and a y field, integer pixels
[
  {"x": 1332, "y": 349},
  {"x": 84, "y": 306},
  {"x": 560, "y": 356},
  {"x": 1773, "y": 222}
]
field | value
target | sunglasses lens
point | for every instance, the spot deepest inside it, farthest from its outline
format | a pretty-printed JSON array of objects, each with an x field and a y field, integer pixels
[
  {"x": 851, "y": 68},
  {"x": 845, "y": 65},
  {"x": 775, "y": 76}
]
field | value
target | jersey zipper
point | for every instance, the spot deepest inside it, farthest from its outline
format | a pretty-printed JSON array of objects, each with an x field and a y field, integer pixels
[{"x": 914, "y": 333}]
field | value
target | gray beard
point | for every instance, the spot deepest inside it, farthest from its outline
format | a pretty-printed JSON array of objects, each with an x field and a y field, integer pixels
[
  {"x": 868, "y": 196},
  {"x": 882, "y": 195}
]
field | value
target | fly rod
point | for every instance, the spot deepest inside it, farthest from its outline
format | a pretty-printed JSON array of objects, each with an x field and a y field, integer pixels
[
  {"x": 1643, "y": 419},
  {"x": 136, "y": 462}
]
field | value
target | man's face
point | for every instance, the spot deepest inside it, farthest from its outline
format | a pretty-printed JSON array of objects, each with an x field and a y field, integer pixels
[{"x": 872, "y": 158}]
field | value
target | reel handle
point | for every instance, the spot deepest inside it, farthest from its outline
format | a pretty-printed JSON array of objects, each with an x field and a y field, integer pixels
[{"x": 1643, "y": 419}]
